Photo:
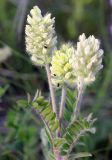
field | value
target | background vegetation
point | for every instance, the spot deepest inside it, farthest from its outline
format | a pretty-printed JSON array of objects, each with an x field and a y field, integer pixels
[{"x": 19, "y": 128}]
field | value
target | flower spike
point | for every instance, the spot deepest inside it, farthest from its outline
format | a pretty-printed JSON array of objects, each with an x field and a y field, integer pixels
[
  {"x": 40, "y": 37},
  {"x": 87, "y": 60}
]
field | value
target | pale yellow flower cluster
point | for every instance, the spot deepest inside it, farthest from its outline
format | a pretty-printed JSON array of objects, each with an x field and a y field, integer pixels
[
  {"x": 61, "y": 67},
  {"x": 40, "y": 36},
  {"x": 69, "y": 65},
  {"x": 87, "y": 60},
  {"x": 83, "y": 63}
]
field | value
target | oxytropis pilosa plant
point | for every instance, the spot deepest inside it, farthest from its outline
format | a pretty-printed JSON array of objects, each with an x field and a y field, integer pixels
[{"x": 68, "y": 67}]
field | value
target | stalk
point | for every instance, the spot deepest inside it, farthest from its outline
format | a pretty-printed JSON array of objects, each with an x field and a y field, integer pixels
[
  {"x": 52, "y": 93},
  {"x": 57, "y": 155},
  {"x": 79, "y": 100},
  {"x": 62, "y": 106}
]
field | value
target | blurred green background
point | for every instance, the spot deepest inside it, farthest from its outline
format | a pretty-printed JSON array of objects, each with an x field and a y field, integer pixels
[{"x": 19, "y": 128}]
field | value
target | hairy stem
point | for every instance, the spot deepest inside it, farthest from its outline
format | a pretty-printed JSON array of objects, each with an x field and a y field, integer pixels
[
  {"x": 57, "y": 155},
  {"x": 62, "y": 105},
  {"x": 79, "y": 100},
  {"x": 52, "y": 93}
]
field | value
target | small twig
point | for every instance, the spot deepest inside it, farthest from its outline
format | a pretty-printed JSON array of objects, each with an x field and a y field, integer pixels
[{"x": 52, "y": 93}]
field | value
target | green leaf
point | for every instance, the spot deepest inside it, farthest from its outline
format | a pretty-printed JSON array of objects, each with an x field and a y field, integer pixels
[
  {"x": 48, "y": 135},
  {"x": 55, "y": 126},
  {"x": 22, "y": 103},
  {"x": 51, "y": 156},
  {"x": 3, "y": 90},
  {"x": 79, "y": 155},
  {"x": 58, "y": 142},
  {"x": 66, "y": 146},
  {"x": 48, "y": 116},
  {"x": 70, "y": 103},
  {"x": 75, "y": 131},
  {"x": 46, "y": 111}
]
